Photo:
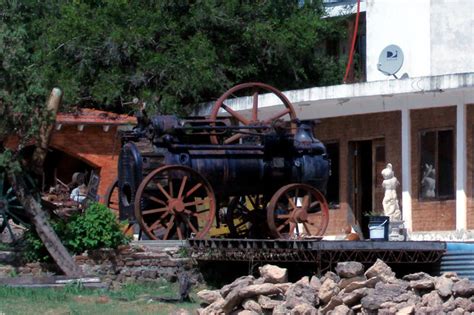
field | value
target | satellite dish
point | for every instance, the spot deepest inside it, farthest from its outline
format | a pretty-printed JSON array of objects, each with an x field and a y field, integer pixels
[{"x": 390, "y": 60}]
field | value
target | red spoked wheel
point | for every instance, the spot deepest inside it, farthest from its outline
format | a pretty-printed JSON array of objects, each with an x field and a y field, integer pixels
[
  {"x": 112, "y": 197},
  {"x": 296, "y": 211},
  {"x": 175, "y": 202},
  {"x": 254, "y": 120}
]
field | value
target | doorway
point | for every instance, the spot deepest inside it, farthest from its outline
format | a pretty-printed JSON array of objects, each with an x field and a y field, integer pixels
[{"x": 367, "y": 160}]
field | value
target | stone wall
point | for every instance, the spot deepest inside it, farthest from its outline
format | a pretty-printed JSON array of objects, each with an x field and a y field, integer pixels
[{"x": 133, "y": 263}]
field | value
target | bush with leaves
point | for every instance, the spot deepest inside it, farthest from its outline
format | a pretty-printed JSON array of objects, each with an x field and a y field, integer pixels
[{"x": 96, "y": 228}]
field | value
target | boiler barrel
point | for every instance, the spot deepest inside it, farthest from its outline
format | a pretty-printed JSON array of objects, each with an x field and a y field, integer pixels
[{"x": 239, "y": 172}]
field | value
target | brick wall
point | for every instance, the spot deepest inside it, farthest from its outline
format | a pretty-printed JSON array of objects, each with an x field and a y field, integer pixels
[
  {"x": 94, "y": 146},
  {"x": 470, "y": 165},
  {"x": 353, "y": 128},
  {"x": 430, "y": 215}
]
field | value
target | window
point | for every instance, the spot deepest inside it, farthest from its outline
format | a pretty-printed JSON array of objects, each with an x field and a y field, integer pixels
[
  {"x": 437, "y": 164},
  {"x": 332, "y": 194}
]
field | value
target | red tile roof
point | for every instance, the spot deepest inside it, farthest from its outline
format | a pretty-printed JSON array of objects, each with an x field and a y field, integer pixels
[{"x": 88, "y": 116}]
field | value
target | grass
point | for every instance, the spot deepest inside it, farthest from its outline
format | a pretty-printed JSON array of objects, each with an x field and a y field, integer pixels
[{"x": 74, "y": 299}]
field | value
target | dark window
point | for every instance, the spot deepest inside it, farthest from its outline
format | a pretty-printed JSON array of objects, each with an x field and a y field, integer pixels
[
  {"x": 332, "y": 194},
  {"x": 437, "y": 164}
]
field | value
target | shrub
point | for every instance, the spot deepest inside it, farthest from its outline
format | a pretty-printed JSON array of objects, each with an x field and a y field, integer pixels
[{"x": 95, "y": 228}]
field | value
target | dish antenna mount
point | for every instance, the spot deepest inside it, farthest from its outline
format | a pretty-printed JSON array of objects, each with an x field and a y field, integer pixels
[{"x": 390, "y": 60}]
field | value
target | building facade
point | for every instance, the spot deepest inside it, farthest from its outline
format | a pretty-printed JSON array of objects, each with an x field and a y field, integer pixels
[{"x": 423, "y": 123}]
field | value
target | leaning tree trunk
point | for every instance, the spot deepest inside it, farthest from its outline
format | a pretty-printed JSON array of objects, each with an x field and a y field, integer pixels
[{"x": 32, "y": 206}]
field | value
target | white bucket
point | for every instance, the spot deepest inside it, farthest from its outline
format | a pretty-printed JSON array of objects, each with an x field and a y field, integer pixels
[{"x": 377, "y": 231}]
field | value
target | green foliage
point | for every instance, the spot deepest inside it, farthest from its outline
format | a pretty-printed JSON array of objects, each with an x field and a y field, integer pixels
[
  {"x": 95, "y": 228},
  {"x": 171, "y": 54}
]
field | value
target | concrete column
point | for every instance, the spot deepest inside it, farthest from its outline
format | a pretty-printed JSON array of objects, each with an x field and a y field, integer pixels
[
  {"x": 406, "y": 169},
  {"x": 461, "y": 168}
]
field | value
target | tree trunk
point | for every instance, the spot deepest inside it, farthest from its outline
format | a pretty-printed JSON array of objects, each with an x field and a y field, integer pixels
[
  {"x": 33, "y": 207},
  {"x": 40, "y": 221},
  {"x": 46, "y": 128}
]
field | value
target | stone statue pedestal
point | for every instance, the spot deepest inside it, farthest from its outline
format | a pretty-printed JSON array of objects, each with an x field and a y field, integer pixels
[{"x": 397, "y": 231}]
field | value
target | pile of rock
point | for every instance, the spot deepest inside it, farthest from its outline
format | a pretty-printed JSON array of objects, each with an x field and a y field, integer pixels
[{"x": 348, "y": 291}]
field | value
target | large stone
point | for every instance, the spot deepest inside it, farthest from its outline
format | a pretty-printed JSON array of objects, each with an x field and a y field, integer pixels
[
  {"x": 304, "y": 280},
  {"x": 209, "y": 296},
  {"x": 330, "y": 275},
  {"x": 432, "y": 299},
  {"x": 449, "y": 305},
  {"x": 315, "y": 282},
  {"x": 349, "y": 269},
  {"x": 328, "y": 289},
  {"x": 417, "y": 276},
  {"x": 346, "y": 281},
  {"x": 273, "y": 274},
  {"x": 335, "y": 301},
  {"x": 267, "y": 303},
  {"x": 464, "y": 288},
  {"x": 299, "y": 293},
  {"x": 369, "y": 283},
  {"x": 422, "y": 284},
  {"x": 342, "y": 310},
  {"x": 259, "y": 289},
  {"x": 381, "y": 270},
  {"x": 232, "y": 300},
  {"x": 252, "y": 305},
  {"x": 214, "y": 308},
  {"x": 303, "y": 309},
  {"x": 407, "y": 310},
  {"x": 239, "y": 282},
  {"x": 355, "y": 296},
  {"x": 463, "y": 303},
  {"x": 444, "y": 286}
]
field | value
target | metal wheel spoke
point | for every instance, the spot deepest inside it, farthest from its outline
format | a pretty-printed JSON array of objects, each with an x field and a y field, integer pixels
[
  {"x": 156, "y": 210},
  {"x": 156, "y": 224},
  {"x": 278, "y": 115},
  {"x": 305, "y": 203},
  {"x": 188, "y": 222},
  {"x": 168, "y": 228},
  {"x": 314, "y": 204},
  {"x": 233, "y": 138},
  {"x": 163, "y": 191},
  {"x": 195, "y": 203},
  {"x": 290, "y": 200},
  {"x": 236, "y": 115},
  {"x": 255, "y": 106},
  {"x": 181, "y": 188},
  {"x": 283, "y": 225},
  {"x": 153, "y": 198},
  {"x": 192, "y": 190},
  {"x": 305, "y": 224}
]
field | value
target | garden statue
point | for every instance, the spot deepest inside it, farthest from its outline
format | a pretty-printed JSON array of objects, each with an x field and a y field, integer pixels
[
  {"x": 428, "y": 181},
  {"x": 390, "y": 202}
]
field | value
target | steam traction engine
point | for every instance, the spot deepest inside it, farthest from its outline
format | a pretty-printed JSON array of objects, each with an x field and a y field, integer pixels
[{"x": 261, "y": 178}]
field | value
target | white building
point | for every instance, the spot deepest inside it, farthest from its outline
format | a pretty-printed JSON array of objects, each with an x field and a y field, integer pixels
[{"x": 426, "y": 118}]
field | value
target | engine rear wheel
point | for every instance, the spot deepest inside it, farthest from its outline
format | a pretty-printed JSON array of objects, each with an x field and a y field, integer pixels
[{"x": 175, "y": 202}]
